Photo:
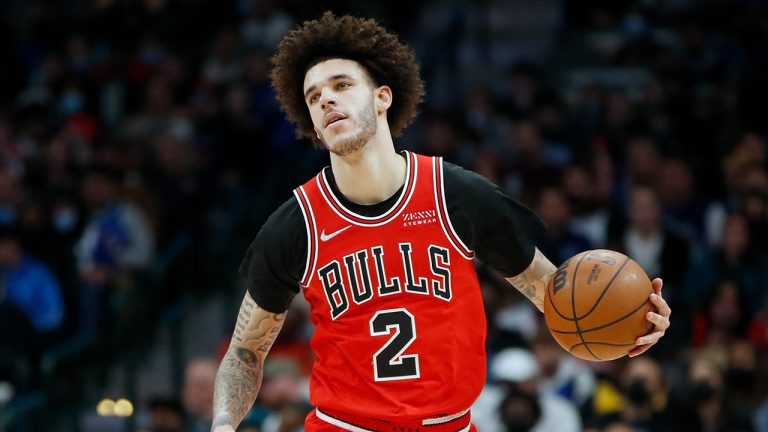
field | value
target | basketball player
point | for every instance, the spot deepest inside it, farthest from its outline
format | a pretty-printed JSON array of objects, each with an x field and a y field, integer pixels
[{"x": 382, "y": 244}]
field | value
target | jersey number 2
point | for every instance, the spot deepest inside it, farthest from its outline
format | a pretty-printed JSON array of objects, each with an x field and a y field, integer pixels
[{"x": 389, "y": 363}]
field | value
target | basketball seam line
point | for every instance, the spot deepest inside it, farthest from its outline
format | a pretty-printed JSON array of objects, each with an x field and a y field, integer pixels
[
  {"x": 573, "y": 305},
  {"x": 601, "y": 343},
  {"x": 604, "y": 325}
]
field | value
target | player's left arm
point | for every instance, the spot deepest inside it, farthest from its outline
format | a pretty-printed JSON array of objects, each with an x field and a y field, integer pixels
[
  {"x": 532, "y": 281},
  {"x": 659, "y": 319}
]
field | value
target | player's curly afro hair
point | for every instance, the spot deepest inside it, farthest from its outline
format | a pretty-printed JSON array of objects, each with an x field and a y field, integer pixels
[{"x": 382, "y": 55}]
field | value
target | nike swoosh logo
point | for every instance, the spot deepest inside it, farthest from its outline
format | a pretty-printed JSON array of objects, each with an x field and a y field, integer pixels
[{"x": 326, "y": 237}]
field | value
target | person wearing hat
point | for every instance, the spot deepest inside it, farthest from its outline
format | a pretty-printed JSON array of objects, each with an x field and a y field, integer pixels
[{"x": 513, "y": 403}]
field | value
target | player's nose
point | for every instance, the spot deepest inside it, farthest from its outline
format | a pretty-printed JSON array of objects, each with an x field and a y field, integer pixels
[{"x": 327, "y": 98}]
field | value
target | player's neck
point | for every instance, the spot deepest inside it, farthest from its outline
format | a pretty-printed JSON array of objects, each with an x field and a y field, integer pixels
[{"x": 371, "y": 174}]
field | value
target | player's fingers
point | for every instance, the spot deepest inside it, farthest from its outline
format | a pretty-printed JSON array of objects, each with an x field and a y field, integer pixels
[
  {"x": 661, "y": 305},
  {"x": 649, "y": 339},
  {"x": 634, "y": 352},
  {"x": 657, "y": 284},
  {"x": 661, "y": 322}
]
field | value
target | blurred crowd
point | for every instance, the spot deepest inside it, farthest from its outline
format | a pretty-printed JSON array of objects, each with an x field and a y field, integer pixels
[{"x": 141, "y": 148}]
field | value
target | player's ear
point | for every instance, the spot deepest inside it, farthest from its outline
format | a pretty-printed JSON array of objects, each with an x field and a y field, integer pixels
[{"x": 383, "y": 98}]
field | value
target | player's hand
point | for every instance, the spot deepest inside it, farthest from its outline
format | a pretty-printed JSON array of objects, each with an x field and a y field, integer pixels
[{"x": 659, "y": 319}]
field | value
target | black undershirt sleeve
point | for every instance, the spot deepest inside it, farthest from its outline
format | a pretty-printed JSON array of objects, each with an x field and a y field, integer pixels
[
  {"x": 274, "y": 262},
  {"x": 501, "y": 231}
]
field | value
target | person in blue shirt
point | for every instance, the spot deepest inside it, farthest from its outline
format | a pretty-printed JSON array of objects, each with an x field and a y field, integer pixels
[{"x": 29, "y": 285}]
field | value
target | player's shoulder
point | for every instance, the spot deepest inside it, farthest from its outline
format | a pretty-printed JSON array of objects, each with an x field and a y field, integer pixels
[
  {"x": 461, "y": 181},
  {"x": 289, "y": 207},
  {"x": 287, "y": 218}
]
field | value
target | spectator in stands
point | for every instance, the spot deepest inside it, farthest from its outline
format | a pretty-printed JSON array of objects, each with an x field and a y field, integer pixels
[
  {"x": 535, "y": 163},
  {"x": 561, "y": 373},
  {"x": 735, "y": 259},
  {"x": 197, "y": 393},
  {"x": 116, "y": 241},
  {"x": 745, "y": 375},
  {"x": 285, "y": 395},
  {"x": 515, "y": 401},
  {"x": 30, "y": 285},
  {"x": 724, "y": 319},
  {"x": 707, "y": 406},
  {"x": 590, "y": 213},
  {"x": 558, "y": 242},
  {"x": 166, "y": 415},
  {"x": 223, "y": 65},
  {"x": 643, "y": 161},
  {"x": 117, "y": 236},
  {"x": 683, "y": 208},
  {"x": 646, "y": 404}
]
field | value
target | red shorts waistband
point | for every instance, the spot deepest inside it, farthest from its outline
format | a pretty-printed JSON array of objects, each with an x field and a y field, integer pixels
[{"x": 459, "y": 422}]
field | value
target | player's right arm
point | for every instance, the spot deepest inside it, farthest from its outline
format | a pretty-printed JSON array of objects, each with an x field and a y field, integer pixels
[
  {"x": 239, "y": 377},
  {"x": 532, "y": 282}
]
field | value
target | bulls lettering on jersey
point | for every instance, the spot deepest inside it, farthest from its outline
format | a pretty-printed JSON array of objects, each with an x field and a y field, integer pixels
[
  {"x": 400, "y": 326},
  {"x": 354, "y": 280}
]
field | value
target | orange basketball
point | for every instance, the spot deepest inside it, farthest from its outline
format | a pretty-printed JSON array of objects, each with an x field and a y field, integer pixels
[{"x": 596, "y": 305}]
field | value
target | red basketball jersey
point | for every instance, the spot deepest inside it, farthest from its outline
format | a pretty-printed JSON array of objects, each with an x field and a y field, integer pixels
[{"x": 400, "y": 326}]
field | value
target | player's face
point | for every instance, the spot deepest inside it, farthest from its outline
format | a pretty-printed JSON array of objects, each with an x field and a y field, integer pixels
[{"x": 341, "y": 102}]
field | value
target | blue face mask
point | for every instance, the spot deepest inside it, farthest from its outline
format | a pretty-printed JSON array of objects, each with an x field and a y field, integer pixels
[
  {"x": 71, "y": 102},
  {"x": 64, "y": 220}
]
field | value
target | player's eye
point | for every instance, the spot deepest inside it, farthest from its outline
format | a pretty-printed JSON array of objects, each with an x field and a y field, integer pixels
[
  {"x": 343, "y": 84},
  {"x": 314, "y": 98}
]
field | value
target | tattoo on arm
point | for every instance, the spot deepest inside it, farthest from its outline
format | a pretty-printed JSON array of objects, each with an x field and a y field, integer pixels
[
  {"x": 240, "y": 373},
  {"x": 532, "y": 282}
]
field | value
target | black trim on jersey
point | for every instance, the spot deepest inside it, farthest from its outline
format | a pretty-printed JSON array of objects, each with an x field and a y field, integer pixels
[
  {"x": 403, "y": 196},
  {"x": 500, "y": 230},
  {"x": 443, "y": 272},
  {"x": 333, "y": 288}
]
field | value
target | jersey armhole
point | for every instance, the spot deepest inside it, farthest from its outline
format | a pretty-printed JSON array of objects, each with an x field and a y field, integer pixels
[
  {"x": 442, "y": 210},
  {"x": 311, "y": 229}
]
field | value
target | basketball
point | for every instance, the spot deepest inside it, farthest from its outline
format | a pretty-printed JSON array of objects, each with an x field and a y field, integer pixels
[{"x": 596, "y": 305}]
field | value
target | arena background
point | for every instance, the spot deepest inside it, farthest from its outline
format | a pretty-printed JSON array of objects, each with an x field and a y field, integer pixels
[{"x": 141, "y": 149}]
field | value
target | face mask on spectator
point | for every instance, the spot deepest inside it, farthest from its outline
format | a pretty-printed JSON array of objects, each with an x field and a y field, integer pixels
[
  {"x": 519, "y": 411},
  {"x": 702, "y": 392},
  {"x": 71, "y": 102},
  {"x": 638, "y": 393},
  {"x": 64, "y": 220}
]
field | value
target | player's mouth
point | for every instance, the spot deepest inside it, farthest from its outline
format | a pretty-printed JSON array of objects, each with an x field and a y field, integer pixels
[{"x": 332, "y": 117}]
